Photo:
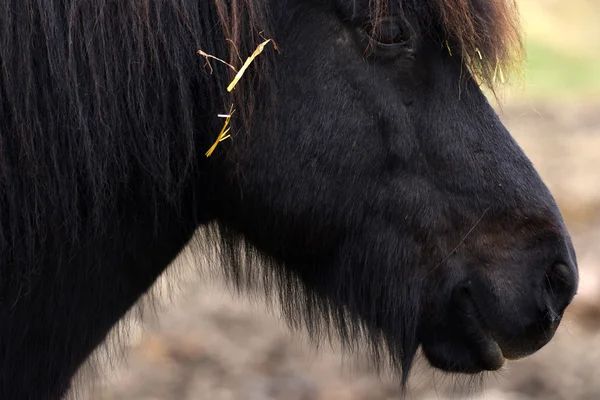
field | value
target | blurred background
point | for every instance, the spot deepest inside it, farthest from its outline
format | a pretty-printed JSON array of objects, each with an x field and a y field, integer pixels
[{"x": 203, "y": 342}]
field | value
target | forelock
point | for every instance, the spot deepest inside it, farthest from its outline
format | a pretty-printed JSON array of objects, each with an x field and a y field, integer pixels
[{"x": 485, "y": 33}]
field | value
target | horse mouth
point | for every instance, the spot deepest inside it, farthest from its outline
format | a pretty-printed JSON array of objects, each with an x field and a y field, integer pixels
[
  {"x": 462, "y": 342},
  {"x": 492, "y": 350},
  {"x": 483, "y": 343},
  {"x": 465, "y": 342}
]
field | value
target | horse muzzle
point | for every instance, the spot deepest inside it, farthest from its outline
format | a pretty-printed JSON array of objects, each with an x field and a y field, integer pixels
[{"x": 484, "y": 325}]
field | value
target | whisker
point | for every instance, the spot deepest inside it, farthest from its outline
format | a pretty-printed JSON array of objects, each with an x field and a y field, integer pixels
[{"x": 461, "y": 242}]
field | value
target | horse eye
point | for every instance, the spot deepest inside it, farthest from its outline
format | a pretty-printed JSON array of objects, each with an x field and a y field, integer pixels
[{"x": 389, "y": 32}]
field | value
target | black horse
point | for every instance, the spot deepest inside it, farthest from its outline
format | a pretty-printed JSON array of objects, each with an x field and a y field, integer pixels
[{"x": 367, "y": 181}]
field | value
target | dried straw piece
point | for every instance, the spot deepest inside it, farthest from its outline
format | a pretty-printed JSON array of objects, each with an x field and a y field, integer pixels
[
  {"x": 449, "y": 50},
  {"x": 226, "y": 128},
  {"x": 497, "y": 70},
  {"x": 223, "y": 135},
  {"x": 208, "y": 56},
  {"x": 240, "y": 73}
]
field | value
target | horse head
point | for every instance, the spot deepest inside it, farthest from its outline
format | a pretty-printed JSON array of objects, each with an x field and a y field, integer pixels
[{"x": 378, "y": 178}]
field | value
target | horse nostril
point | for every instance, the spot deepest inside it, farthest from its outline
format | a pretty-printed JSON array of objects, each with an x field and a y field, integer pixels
[
  {"x": 559, "y": 287},
  {"x": 552, "y": 316}
]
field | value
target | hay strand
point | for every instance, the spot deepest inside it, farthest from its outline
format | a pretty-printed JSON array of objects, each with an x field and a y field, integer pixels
[
  {"x": 449, "y": 50},
  {"x": 224, "y": 131},
  {"x": 249, "y": 61},
  {"x": 209, "y": 56}
]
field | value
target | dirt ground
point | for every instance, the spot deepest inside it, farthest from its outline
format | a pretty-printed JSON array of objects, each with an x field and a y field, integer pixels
[{"x": 206, "y": 344}]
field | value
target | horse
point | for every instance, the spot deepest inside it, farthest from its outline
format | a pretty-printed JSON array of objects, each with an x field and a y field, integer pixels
[{"x": 364, "y": 178}]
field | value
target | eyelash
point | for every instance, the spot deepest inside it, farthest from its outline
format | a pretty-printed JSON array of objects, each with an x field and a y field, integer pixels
[
  {"x": 388, "y": 33},
  {"x": 400, "y": 43}
]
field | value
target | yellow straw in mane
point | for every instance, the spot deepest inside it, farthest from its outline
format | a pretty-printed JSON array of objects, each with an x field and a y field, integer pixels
[
  {"x": 223, "y": 135},
  {"x": 240, "y": 73}
]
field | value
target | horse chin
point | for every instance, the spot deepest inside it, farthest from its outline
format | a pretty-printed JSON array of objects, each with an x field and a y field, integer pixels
[
  {"x": 484, "y": 354},
  {"x": 492, "y": 355}
]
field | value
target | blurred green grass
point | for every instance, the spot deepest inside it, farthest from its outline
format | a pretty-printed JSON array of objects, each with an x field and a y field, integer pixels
[
  {"x": 550, "y": 72},
  {"x": 563, "y": 51}
]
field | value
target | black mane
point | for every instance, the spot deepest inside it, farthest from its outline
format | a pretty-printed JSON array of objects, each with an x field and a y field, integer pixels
[
  {"x": 118, "y": 93},
  {"x": 112, "y": 102}
]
